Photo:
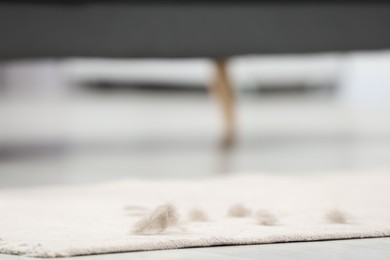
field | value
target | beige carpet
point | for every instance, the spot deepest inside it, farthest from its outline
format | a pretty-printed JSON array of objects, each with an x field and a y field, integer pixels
[{"x": 133, "y": 215}]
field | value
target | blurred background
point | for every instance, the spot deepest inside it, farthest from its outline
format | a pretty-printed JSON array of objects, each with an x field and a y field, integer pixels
[{"x": 82, "y": 120}]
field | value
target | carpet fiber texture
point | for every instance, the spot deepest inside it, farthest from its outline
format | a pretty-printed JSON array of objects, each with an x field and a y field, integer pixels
[{"x": 134, "y": 215}]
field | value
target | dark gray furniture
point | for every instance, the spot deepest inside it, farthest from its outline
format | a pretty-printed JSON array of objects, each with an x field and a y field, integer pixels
[{"x": 187, "y": 28}]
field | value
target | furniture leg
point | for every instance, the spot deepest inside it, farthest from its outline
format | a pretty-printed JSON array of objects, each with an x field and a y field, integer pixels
[{"x": 222, "y": 88}]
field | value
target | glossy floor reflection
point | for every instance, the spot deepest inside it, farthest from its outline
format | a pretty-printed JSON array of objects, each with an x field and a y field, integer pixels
[{"x": 92, "y": 138}]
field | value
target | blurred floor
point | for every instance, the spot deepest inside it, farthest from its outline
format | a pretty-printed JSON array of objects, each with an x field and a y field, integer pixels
[
  {"x": 153, "y": 135},
  {"x": 57, "y": 130}
]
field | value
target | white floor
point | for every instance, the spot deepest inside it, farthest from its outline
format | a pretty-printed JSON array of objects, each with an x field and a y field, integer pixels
[{"x": 152, "y": 135}]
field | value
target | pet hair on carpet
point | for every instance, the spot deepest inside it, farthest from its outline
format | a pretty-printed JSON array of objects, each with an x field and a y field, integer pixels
[
  {"x": 158, "y": 220},
  {"x": 239, "y": 211}
]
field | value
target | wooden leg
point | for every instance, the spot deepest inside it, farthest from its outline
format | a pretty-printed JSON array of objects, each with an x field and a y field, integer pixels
[{"x": 223, "y": 90}]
